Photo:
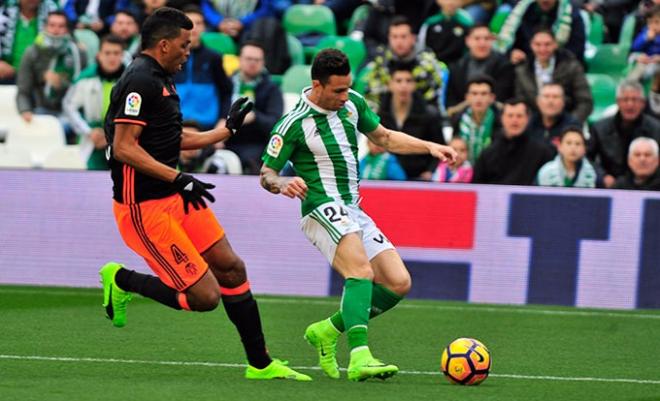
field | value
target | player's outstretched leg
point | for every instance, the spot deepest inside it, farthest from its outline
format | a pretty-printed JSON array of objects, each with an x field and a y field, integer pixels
[
  {"x": 114, "y": 298},
  {"x": 364, "y": 366},
  {"x": 323, "y": 336},
  {"x": 118, "y": 282},
  {"x": 277, "y": 369}
]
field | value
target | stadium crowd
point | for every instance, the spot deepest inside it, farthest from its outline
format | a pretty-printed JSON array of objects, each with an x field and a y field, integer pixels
[{"x": 546, "y": 92}]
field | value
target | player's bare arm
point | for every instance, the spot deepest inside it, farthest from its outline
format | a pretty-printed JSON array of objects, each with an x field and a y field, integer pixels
[
  {"x": 401, "y": 143},
  {"x": 126, "y": 149},
  {"x": 197, "y": 140},
  {"x": 292, "y": 187}
]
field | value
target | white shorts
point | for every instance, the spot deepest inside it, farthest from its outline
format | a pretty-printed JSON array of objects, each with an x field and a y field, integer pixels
[{"x": 328, "y": 223}]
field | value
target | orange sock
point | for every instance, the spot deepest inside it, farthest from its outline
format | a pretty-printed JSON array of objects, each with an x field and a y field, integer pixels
[
  {"x": 183, "y": 301},
  {"x": 241, "y": 289}
]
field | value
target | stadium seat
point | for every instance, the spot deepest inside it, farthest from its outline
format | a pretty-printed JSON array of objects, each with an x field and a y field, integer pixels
[
  {"x": 360, "y": 80},
  {"x": 219, "y": 42},
  {"x": 611, "y": 59},
  {"x": 41, "y": 136},
  {"x": 360, "y": 14},
  {"x": 3, "y": 131},
  {"x": 306, "y": 18},
  {"x": 296, "y": 50},
  {"x": 15, "y": 157},
  {"x": 8, "y": 101},
  {"x": 88, "y": 41},
  {"x": 230, "y": 158},
  {"x": 354, "y": 49},
  {"x": 230, "y": 63},
  {"x": 627, "y": 31},
  {"x": 296, "y": 78},
  {"x": 66, "y": 158},
  {"x": 597, "y": 29},
  {"x": 603, "y": 90}
]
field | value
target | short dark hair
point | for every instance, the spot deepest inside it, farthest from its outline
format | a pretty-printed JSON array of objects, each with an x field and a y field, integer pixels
[
  {"x": 329, "y": 62},
  {"x": 481, "y": 79},
  {"x": 192, "y": 9},
  {"x": 400, "y": 65},
  {"x": 253, "y": 43},
  {"x": 114, "y": 39},
  {"x": 569, "y": 129},
  {"x": 164, "y": 23},
  {"x": 654, "y": 11},
  {"x": 476, "y": 26},
  {"x": 516, "y": 101},
  {"x": 400, "y": 20},
  {"x": 62, "y": 14},
  {"x": 553, "y": 83},
  {"x": 128, "y": 14}
]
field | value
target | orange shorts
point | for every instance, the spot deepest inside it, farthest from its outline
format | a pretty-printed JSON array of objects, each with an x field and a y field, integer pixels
[{"x": 168, "y": 239}]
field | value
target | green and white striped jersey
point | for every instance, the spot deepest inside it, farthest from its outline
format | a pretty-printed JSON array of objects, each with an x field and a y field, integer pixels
[{"x": 323, "y": 147}]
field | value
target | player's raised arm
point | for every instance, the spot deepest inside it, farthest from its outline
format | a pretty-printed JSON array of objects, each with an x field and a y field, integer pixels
[
  {"x": 196, "y": 140},
  {"x": 292, "y": 187},
  {"x": 401, "y": 143}
]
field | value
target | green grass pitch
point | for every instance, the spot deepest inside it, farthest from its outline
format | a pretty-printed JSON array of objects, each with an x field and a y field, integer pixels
[{"x": 56, "y": 345}]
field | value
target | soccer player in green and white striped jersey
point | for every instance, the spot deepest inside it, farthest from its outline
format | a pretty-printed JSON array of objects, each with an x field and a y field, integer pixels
[{"x": 320, "y": 137}]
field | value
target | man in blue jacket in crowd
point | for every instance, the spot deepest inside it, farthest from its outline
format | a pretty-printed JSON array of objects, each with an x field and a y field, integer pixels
[{"x": 202, "y": 84}]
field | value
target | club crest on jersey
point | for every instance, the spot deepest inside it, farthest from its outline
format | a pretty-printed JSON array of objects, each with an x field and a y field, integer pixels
[
  {"x": 275, "y": 145},
  {"x": 133, "y": 104}
]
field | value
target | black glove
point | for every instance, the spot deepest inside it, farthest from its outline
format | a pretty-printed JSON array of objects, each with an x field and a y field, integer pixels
[
  {"x": 237, "y": 113},
  {"x": 193, "y": 191}
]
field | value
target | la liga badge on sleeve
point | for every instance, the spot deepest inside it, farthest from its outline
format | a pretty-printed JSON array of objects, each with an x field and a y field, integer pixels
[
  {"x": 133, "y": 104},
  {"x": 275, "y": 145}
]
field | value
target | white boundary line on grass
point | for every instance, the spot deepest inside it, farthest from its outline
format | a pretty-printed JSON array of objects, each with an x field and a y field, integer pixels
[
  {"x": 476, "y": 308},
  {"x": 238, "y": 365}
]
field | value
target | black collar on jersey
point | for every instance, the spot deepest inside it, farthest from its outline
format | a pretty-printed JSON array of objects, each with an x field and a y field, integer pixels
[{"x": 155, "y": 64}]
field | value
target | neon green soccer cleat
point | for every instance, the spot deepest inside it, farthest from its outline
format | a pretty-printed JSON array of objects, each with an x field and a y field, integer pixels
[
  {"x": 323, "y": 336},
  {"x": 364, "y": 366},
  {"x": 275, "y": 370},
  {"x": 114, "y": 298}
]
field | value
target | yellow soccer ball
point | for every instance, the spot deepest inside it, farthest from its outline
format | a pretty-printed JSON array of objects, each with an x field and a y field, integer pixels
[{"x": 466, "y": 361}]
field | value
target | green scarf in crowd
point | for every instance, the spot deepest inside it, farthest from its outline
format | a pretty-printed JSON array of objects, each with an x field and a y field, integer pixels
[
  {"x": 65, "y": 59},
  {"x": 561, "y": 27},
  {"x": 10, "y": 16},
  {"x": 235, "y": 9},
  {"x": 477, "y": 137}
]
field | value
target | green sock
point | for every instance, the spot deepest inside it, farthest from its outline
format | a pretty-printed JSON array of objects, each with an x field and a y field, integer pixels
[
  {"x": 382, "y": 300},
  {"x": 355, "y": 305}
]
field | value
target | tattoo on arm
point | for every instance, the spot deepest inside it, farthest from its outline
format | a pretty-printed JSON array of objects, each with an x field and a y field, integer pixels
[{"x": 268, "y": 181}]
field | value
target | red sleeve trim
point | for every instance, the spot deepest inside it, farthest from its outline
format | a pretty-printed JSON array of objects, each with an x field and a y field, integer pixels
[{"x": 129, "y": 121}]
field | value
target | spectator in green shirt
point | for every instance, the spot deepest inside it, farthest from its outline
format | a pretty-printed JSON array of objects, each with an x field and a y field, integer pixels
[
  {"x": 87, "y": 101},
  {"x": 20, "y": 22}
]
